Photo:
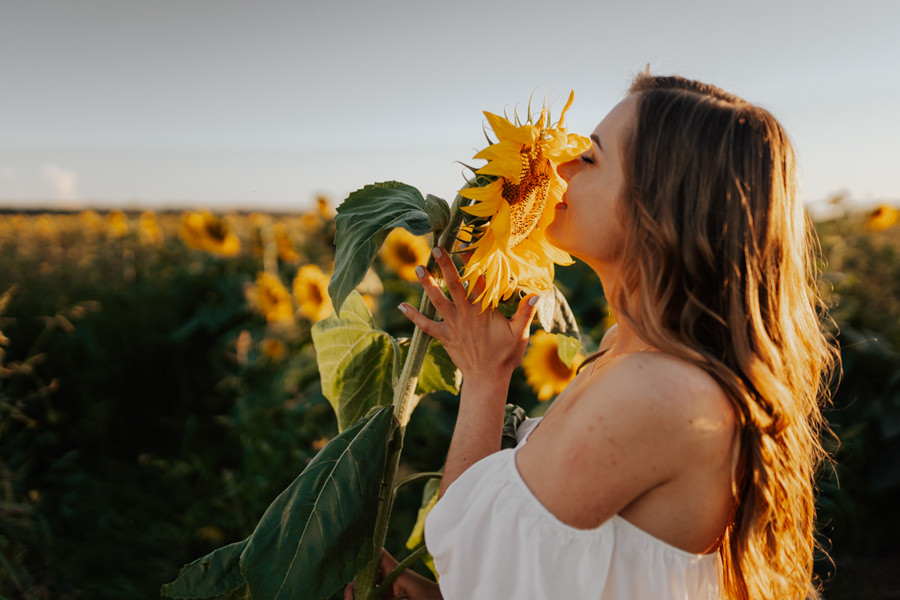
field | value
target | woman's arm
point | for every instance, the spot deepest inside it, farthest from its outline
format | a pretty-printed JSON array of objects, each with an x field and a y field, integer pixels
[{"x": 486, "y": 347}]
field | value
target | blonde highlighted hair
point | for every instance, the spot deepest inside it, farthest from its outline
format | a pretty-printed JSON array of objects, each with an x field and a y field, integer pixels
[{"x": 722, "y": 253}]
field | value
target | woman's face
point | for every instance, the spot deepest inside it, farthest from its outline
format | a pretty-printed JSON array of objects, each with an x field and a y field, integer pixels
[{"x": 587, "y": 223}]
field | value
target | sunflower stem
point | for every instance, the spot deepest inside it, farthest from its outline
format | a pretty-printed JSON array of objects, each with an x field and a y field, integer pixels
[{"x": 405, "y": 400}]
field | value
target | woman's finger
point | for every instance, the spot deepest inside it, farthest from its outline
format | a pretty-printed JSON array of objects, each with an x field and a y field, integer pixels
[
  {"x": 451, "y": 275},
  {"x": 432, "y": 328},
  {"x": 525, "y": 313},
  {"x": 434, "y": 293}
]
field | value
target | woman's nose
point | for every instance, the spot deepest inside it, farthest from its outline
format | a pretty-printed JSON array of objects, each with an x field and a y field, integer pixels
[{"x": 566, "y": 169}]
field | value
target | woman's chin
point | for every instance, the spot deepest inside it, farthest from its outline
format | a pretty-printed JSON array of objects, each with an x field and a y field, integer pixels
[{"x": 552, "y": 233}]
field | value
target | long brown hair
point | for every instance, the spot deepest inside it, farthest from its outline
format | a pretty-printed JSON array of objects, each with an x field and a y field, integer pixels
[{"x": 723, "y": 253}]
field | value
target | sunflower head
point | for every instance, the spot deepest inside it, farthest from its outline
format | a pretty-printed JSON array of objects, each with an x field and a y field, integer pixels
[
  {"x": 149, "y": 231},
  {"x": 204, "y": 231},
  {"x": 118, "y": 224},
  {"x": 402, "y": 251},
  {"x": 544, "y": 371},
  {"x": 271, "y": 298},
  {"x": 883, "y": 217},
  {"x": 514, "y": 198},
  {"x": 311, "y": 293}
]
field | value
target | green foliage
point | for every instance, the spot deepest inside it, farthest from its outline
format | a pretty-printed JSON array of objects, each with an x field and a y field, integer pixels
[
  {"x": 215, "y": 574},
  {"x": 353, "y": 359},
  {"x": 318, "y": 533},
  {"x": 314, "y": 537},
  {"x": 143, "y": 424},
  {"x": 366, "y": 217}
]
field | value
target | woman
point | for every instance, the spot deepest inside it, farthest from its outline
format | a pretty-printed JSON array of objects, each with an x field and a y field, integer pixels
[{"x": 679, "y": 463}]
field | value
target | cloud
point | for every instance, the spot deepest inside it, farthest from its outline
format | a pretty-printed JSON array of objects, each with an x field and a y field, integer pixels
[{"x": 62, "y": 183}]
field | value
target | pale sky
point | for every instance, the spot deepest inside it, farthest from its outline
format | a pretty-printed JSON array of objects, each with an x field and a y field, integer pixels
[{"x": 264, "y": 104}]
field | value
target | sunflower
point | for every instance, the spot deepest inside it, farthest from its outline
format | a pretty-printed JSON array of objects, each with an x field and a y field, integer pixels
[
  {"x": 91, "y": 222},
  {"x": 118, "y": 224},
  {"x": 284, "y": 244},
  {"x": 544, "y": 371},
  {"x": 149, "y": 231},
  {"x": 204, "y": 231},
  {"x": 403, "y": 252},
  {"x": 271, "y": 298},
  {"x": 883, "y": 217},
  {"x": 273, "y": 348},
  {"x": 311, "y": 293},
  {"x": 514, "y": 208}
]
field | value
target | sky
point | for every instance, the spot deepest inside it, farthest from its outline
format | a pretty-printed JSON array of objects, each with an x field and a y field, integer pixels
[{"x": 264, "y": 105}]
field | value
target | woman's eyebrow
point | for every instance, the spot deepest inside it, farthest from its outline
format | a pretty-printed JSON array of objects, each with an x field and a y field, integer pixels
[{"x": 596, "y": 140}]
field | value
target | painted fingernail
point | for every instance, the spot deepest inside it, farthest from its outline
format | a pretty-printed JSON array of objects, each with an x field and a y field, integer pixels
[
  {"x": 420, "y": 271},
  {"x": 402, "y": 308},
  {"x": 437, "y": 252},
  {"x": 463, "y": 245},
  {"x": 533, "y": 300}
]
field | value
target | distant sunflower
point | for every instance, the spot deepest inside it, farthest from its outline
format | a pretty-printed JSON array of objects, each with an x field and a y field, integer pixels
[
  {"x": 273, "y": 348},
  {"x": 118, "y": 224},
  {"x": 544, "y": 371},
  {"x": 204, "y": 231},
  {"x": 403, "y": 251},
  {"x": 883, "y": 217},
  {"x": 149, "y": 231},
  {"x": 514, "y": 209},
  {"x": 271, "y": 298},
  {"x": 311, "y": 293},
  {"x": 91, "y": 222},
  {"x": 284, "y": 244}
]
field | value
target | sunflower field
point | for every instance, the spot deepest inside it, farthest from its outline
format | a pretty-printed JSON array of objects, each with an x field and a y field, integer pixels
[{"x": 159, "y": 387}]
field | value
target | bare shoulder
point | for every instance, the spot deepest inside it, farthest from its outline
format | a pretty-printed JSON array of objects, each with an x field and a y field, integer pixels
[
  {"x": 639, "y": 423},
  {"x": 664, "y": 394}
]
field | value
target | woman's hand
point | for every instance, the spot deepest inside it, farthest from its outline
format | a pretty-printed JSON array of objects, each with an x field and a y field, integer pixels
[
  {"x": 408, "y": 586},
  {"x": 482, "y": 343}
]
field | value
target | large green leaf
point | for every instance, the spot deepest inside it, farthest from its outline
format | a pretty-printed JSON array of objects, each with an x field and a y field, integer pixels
[
  {"x": 215, "y": 574},
  {"x": 357, "y": 362},
  {"x": 318, "y": 533},
  {"x": 438, "y": 371},
  {"x": 363, "y": 221}
]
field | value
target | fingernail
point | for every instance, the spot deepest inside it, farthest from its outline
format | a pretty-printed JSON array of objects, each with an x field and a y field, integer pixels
[
  {"x": 533, "y": 300},
  {"x": 420, "y": 271},
  {"x": 463, "y": 245},
  {"x": 402, "y": 308},
  {"x": 437, "y": 252}
]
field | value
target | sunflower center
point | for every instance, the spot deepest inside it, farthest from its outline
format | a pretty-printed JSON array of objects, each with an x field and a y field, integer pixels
[
  {"x": 315, "y": 294},
  {"x": 216, "y": 230},
  {"x": 406, "y": 255},
  {"x": 527, "y": 198}
]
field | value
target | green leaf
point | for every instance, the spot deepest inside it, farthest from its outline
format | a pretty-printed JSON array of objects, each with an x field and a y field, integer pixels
[
  {"x": 567, "y": 348},
  {"x": 356, "y": 361},
  {"x": 363, "y": 221},
  {"x": 215, "y": 574},
  {"x": 438, "y": 372},
  {"x": 318, "y": 533}
]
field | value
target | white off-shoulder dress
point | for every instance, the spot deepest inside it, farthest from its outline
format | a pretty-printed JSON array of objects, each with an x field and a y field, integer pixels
[{"x": 491, "y": 539}]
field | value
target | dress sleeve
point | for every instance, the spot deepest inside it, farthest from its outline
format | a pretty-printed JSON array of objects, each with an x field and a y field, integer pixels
[{"x": 491, "y": 538}]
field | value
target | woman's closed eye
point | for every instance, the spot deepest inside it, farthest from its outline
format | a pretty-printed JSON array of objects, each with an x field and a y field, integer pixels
[{"x": 587, "y": 159}]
